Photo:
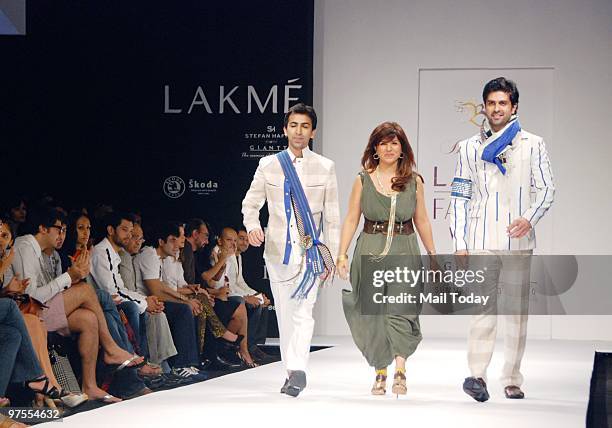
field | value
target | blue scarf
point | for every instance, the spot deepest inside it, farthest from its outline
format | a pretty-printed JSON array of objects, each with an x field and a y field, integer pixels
[
  {"x": 493, "y": 153},
  {"x": 295, "y": 199}
]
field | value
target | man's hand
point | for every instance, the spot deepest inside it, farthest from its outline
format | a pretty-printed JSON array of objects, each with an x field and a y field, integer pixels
[
  {"x": 154, "y": 306},
  {"x": 256, "y": 237},
  {"x": 266, "y": 300},
  {"x": 518, "y": 228},
  {"x": 6, "y": 261},
  {"x": 224, "y": 253},
  {"x": 252, "y": 301},
  {"x": 461, "y": 258},
  {"x": 210, "y": 298},
  {"x": 196, "y": 307}
]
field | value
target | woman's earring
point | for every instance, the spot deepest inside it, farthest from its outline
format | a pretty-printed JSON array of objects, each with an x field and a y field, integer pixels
[
  {"x": 402, "y": 156},
  {"x": 376, "y": 156}
]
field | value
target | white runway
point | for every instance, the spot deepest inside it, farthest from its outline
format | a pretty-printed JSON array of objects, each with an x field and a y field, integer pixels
[{"x": 557, "y": 377}]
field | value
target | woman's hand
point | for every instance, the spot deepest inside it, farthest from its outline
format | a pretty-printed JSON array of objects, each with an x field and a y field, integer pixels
[
  {"x": 342, "y": 267},
  {"x": 6, "y": 261},
  {"x": 17, "y": 285}
]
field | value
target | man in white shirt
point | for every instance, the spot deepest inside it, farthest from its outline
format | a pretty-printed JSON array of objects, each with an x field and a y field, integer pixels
[
  {"x": 73, "y": 304},
  {"x": 159, "y": 336},
  {"x": 180, "y": 310},
  {"x": 284, "y": 248},
  {"x": 492, "y": 218},
  {"x": 105, "y": 261}
]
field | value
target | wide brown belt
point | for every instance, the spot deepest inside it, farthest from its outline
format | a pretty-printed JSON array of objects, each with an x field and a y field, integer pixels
[{"x": 400, "y": 227}]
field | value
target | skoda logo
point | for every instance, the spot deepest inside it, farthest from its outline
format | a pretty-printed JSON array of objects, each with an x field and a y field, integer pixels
[{"x": 174, "y": 187}]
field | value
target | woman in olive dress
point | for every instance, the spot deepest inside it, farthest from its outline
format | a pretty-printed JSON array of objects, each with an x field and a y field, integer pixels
[{"x": 389, "y": 194}]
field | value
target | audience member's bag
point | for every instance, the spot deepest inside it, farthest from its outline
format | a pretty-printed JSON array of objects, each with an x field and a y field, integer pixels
[
  {"x": 27, "y": 304},
  {"x": 62, "y": 369}
]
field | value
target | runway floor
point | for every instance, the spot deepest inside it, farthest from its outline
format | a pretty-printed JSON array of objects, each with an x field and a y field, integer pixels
[{"x": 557, "y": 377}]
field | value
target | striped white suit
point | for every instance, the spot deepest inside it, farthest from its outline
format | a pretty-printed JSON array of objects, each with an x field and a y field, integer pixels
[
  {"x": 484, "y": 201},
  {"x": 483, "y": 204}
]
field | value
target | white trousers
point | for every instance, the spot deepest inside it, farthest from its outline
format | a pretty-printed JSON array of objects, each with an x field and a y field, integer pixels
[
  {"x": 295, "y": 321},
  {"x": 511, "y": 268}
]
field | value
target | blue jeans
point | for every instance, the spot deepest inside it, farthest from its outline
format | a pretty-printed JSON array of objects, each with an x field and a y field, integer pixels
[
  {"x": 138, "y": 322},
  {"x": 183, "y": 328},
  {"x": 126, "y": 382},
  {"x": 18, "y": 361}
]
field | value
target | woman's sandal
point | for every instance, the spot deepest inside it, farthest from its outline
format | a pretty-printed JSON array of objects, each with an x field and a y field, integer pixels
[
  {"x": 250, "y": 365},
  {"x": 380, "y": 385},
  {"x": 52, "y": 392},
  {"x": 399, "y": 384}
]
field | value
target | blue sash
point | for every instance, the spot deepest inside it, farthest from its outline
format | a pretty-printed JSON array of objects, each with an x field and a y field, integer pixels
[
  {"x": 493, "y": 152},
  {"x": 295, "y": 199}
]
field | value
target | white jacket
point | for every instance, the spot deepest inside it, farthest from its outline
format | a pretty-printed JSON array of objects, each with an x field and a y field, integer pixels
[{"x": 484, "y": 201}]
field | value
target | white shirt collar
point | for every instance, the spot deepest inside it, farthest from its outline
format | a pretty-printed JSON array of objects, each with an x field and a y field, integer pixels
[{"x": 305, "y": 154}]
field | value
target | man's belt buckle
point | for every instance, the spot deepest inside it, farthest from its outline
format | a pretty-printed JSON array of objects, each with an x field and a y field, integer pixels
[{"x": 306, "y": 242}]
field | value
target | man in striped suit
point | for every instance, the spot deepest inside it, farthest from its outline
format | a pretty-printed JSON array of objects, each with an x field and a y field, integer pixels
[{"x": 492, "y": 216}]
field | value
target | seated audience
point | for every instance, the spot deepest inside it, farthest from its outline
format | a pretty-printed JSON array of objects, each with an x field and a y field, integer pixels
[
  {"x": 73, "y": 305},
  {"x": 173, "y": 275},
  {"x": 180, "y": 311}
]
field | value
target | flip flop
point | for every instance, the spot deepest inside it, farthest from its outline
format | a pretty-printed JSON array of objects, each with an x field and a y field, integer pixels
[
  {"x": 126, "y": 364},
  {"x": 108, "y": 399}
]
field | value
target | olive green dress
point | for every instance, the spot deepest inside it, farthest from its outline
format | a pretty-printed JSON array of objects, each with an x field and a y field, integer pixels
[{"x": 395, "y": 330}]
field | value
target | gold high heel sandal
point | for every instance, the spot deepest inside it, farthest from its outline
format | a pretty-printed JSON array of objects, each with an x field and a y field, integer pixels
[
  {"x": 380, "y": 385},
  {"x": 399, "y": 384}
]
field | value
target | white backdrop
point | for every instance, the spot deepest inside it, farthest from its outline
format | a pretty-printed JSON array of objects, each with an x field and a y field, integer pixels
[{"x": 372, "y": 59}]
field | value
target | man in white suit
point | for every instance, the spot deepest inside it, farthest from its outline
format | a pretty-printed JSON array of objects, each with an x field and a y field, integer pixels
[
  {"x": 286, "y": 246},
  {"x": 492, "y": 216}
]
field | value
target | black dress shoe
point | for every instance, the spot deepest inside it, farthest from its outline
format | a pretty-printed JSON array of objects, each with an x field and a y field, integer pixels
[
  {"x": 295, "y": 384},
  {"x": 206, "y": 363},
  {"x": 476, "y": 388},
  {"x": 231, "y": 345},
  {"x": 156, "y": 382}
]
